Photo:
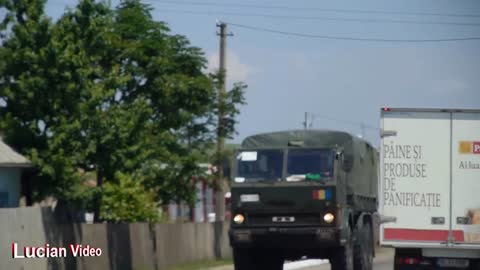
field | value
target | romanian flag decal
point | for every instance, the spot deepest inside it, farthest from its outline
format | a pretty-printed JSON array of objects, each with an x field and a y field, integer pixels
[{"x": 322, "y": 194}]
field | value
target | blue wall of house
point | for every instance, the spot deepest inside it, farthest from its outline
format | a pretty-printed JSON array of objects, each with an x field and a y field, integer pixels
[{"x": 9, "y": 187}]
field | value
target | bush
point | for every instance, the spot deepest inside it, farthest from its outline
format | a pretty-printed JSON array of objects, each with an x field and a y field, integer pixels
[{"x": 127, "y": 200}]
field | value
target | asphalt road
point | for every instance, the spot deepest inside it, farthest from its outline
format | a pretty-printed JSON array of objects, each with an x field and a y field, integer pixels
[{"x": 383, "y": 261}]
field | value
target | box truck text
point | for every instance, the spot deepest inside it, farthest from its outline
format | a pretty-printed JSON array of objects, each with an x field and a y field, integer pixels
[{"x": 404, "y": 162}]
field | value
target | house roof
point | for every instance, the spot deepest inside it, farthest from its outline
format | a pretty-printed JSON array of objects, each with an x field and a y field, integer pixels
[{"x": 10, "y": 158}]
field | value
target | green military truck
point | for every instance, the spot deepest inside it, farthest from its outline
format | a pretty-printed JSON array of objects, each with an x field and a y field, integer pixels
[{"x": 304, "y": 193}]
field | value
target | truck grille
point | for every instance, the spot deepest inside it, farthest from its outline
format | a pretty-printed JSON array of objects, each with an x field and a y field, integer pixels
[{"x": 285, "y": 220}]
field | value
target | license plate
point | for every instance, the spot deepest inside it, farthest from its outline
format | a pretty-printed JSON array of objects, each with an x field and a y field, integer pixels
[{"x": 454, "y": 263}]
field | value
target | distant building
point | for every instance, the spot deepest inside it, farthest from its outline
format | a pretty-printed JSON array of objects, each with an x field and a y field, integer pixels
[
  {"x": 204, "y": 208},
  {"x": 11, "y": 166}
]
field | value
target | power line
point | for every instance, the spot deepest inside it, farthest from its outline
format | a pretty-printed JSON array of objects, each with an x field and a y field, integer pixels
[
  {"x": 221, "y": 4},
  {"x": 316, "y": 18},
  {"x": 349, "y": 38}
]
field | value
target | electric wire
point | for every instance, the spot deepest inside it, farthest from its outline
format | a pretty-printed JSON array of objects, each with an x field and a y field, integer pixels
[
  {"x": 305, "y": 35},
  {"x": 339, "y": 10},
  {"x": 278, "y": 16}
]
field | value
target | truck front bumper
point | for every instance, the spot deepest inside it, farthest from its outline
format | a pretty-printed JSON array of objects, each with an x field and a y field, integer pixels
[{"x": 274, "y": 237}]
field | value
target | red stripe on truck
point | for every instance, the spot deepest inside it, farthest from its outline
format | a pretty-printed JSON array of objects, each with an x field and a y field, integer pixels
[{"x": 421, "y": 235}]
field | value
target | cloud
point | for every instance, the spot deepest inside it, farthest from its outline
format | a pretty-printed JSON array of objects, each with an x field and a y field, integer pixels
[{"x": 236, "y": 70}]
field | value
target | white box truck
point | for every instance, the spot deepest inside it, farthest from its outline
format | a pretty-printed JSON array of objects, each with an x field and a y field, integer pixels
[{"x": 429, "y": 190}]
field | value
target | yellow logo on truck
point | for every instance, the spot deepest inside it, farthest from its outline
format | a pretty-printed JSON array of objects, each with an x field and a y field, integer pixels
[{"x": 469, "y": 147}]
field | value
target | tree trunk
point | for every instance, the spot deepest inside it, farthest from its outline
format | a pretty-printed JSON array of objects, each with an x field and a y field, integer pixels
[{"x": 98, "y": 202}]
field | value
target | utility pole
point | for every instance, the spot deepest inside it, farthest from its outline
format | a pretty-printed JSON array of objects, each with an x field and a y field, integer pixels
[
  {"x": 305, "y": 123},
  {"x": 219, "y": 196},
  {"x": 220, "y": 185}
]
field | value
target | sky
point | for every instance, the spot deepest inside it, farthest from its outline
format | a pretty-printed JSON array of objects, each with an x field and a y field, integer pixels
[{"x": 343, "y": 83}]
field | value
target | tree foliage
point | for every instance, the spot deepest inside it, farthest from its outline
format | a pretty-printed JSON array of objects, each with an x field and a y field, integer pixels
[
  {"x": 224, "y": 113},
  {"x": 127, "y": 200},
  {"x": 109, "y": 91}
]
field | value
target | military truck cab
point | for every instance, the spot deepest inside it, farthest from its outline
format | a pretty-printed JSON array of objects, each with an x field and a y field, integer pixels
[{"x": 303, "y": 193}]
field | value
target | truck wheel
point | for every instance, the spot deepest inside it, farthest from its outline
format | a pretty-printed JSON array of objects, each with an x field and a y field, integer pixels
[
  {"x": 242, "y": 259},
  {"x": 342, "y": 258},
  {"x": 363, "y": 248}
]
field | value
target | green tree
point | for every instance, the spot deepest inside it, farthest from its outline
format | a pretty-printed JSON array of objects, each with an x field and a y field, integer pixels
[
  {"x": 145, "y": 87},
  {"x": 34, "y": 101},
  {"x": 167, "y": 72},
  {"x": 105, "y": 92}
]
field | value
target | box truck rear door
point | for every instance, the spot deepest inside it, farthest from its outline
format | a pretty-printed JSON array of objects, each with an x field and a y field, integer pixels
[{"x": 415, "y": 177}]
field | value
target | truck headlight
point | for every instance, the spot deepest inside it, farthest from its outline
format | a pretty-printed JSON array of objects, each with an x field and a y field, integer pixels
[
  {"x": 329, "y": 217},
  {"x": 238, "y": 219}
]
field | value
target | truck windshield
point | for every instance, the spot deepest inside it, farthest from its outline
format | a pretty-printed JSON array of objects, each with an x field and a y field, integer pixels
[
  {"x": 259, "y": 165},
  {"x": 309, "y": 164}
]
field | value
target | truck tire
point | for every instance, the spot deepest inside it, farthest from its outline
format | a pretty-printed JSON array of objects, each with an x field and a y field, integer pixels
[
  {"x": 363, "y": 248},
  {"x": 342, "y": 258}
]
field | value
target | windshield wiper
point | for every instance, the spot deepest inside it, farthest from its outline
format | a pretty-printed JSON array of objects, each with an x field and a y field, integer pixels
[{"x": 260, "y": 180}]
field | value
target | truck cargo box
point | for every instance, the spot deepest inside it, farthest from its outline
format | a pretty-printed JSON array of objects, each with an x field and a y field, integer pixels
[{"x": 429, "y": 190}]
